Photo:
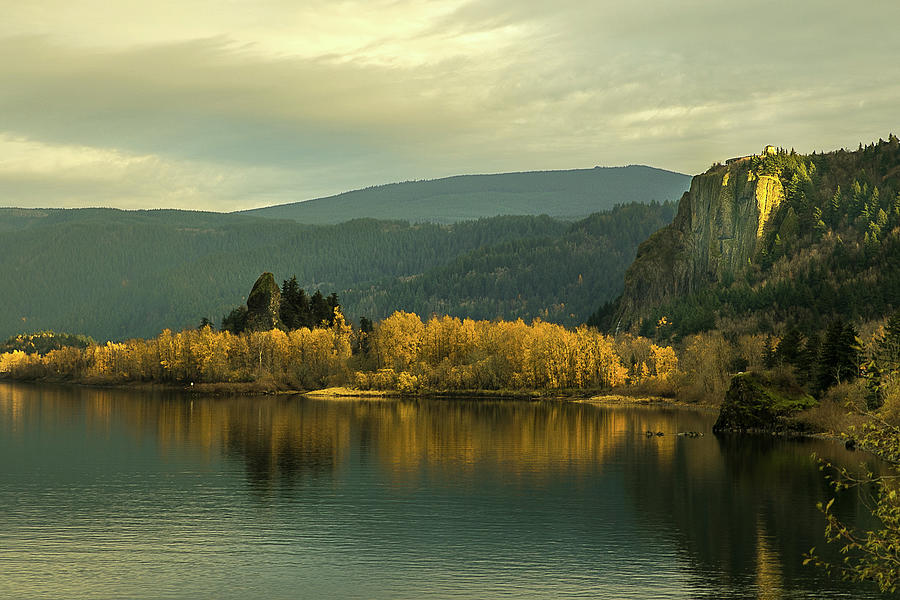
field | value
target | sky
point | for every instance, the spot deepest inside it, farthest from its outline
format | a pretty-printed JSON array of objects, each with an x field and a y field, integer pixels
[{"x": 231, "y": 104}]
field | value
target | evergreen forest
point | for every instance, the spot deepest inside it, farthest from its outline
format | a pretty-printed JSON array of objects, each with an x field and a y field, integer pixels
[{"x": 114, "y": 274}]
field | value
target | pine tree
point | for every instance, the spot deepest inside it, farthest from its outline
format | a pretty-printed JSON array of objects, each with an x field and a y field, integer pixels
[
  {"x": 818, "y": 223},
  {"x": 294, "y": 305},
  {"x": 365, "y": 331},
  {"x": 809, "y": 360},
  {"x": 840, "y": 354},
  {"x": 770, "y": 353},
  {"x": 889, "y": 346},
  {"x": 870, "y": 241},
  {"x": 886, "y": 362},
  {"x": 333, "y": 304},
  {"x": 777, "y": 247},
  {"x": 859, "y": 199},
  {"x": 789, "y": 347},
  {"x": 835, "y": 206},
  {"x": 319, "y": 309}
]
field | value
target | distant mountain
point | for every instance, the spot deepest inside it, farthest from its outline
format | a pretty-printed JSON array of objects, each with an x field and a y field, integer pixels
[{"x": 567, "y": 195}]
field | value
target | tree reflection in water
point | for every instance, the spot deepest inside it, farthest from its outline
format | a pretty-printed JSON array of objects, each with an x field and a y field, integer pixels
[{"x": 740, "y": 510}]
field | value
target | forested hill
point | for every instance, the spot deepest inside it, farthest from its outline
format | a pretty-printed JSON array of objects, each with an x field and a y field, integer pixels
[
  {"x": 115, "y": 274},
  {"x": 557, "y": 278},
  {"x": 567, "y": 195},
  {"x": 771, "y": 241}
]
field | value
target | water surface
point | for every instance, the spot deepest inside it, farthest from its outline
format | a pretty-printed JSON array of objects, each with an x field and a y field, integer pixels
[{"x": 113, "y": 494}]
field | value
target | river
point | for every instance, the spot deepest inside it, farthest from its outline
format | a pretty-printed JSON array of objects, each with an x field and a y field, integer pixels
[{"x": 118, "y": 494}]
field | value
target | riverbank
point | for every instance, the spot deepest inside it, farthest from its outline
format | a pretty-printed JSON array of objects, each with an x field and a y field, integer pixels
[
  {"x": 613, "y": 399},
  {"x": 269, "y": 388},
  {"x": 205, "y": 389}
]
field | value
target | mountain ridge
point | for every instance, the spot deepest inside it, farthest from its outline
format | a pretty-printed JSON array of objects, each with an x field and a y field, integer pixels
[{"x": 563, "y": 194}]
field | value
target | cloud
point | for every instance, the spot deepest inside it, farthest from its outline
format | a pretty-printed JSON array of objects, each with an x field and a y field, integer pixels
[
  {"x": 215, "y": 105},
  {"x": 43, "y": 175}
]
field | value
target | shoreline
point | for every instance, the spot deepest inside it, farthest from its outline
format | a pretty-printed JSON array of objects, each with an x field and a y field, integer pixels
[
  {"x": 614, "y": 399},
  {"x": 345, "y": 394},
  {"x": 249, "y": 389}
]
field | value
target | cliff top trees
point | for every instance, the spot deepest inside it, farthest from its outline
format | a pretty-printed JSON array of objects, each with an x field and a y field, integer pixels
[
  {"x": 287, "y": 308},
  {"x": 827, "y": 249}
]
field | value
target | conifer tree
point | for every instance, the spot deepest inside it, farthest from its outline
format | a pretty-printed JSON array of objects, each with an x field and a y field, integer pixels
[
  {"x": 808, "y": 360},
  {"x": 835, "y": 207},
  {"x": 770, "y": 353},
  {"x": 790, "y": 347},
  {"x": 294, "y": 305},
  {"x": 889, "y": 346},
  {"x": 319, "y": 309},
  {"x": 839, "y": 356},
  {"x": 364, "y": 337}
]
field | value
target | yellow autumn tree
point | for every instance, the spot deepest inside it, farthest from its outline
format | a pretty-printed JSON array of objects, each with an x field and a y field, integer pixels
[
  {"x": 705, "y": 367},
  {"x": 664, "y": 361},
  {"x": 398, "y": 340}
]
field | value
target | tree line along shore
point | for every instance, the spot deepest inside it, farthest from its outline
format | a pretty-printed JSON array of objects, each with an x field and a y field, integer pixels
[{"x": 402, "y": 353}]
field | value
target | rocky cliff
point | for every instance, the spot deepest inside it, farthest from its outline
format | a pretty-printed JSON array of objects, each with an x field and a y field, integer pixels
[
  {"x": 717, "y": 230},
  {"x": 263, "y": 304}
]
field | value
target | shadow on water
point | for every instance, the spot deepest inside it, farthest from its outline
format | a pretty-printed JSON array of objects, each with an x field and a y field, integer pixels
[{"x": 744, "y": 508}]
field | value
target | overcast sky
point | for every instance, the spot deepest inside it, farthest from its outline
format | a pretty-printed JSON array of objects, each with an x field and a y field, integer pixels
[{"x": 229, "y": 104}]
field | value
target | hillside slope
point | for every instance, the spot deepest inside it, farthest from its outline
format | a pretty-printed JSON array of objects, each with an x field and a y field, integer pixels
[
  {"x": 557, "y": 278},
  {"x": 773, "y": 238},
  {"x": 116, "y": 274},
  {"x": 568, "y": 195}
]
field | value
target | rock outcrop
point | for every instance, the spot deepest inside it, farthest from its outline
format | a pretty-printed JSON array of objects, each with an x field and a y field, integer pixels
[
  {"x": 755, "y": 402},
  {"x": 717, "y": 230},
  {"x": 263, "y": 304}
]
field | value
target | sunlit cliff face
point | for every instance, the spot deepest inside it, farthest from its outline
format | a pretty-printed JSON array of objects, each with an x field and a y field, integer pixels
[{"x": 150, "y": 104}]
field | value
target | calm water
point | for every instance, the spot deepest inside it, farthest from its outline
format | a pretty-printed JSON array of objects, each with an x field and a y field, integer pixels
[{"x": 109, "y": 494}]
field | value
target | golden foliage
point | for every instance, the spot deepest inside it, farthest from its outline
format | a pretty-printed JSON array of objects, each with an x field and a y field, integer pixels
[
  {"x": 398, "y": 340},
  {"x": 10, "y": 362},
  {"x": 664, "y": 361},
  {"x": 705, "y": 364},
  {"x": 444, "y": 353}
]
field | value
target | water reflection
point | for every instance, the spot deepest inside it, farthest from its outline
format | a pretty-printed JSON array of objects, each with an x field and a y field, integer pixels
[
  {"x": 479, "y": 490},
  {"x": 280, "y": 438},
  {"x": 769, "y": 580}
]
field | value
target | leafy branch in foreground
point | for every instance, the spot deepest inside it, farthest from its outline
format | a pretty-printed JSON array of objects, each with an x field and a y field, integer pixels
[{"x": 872, "y": 555}]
